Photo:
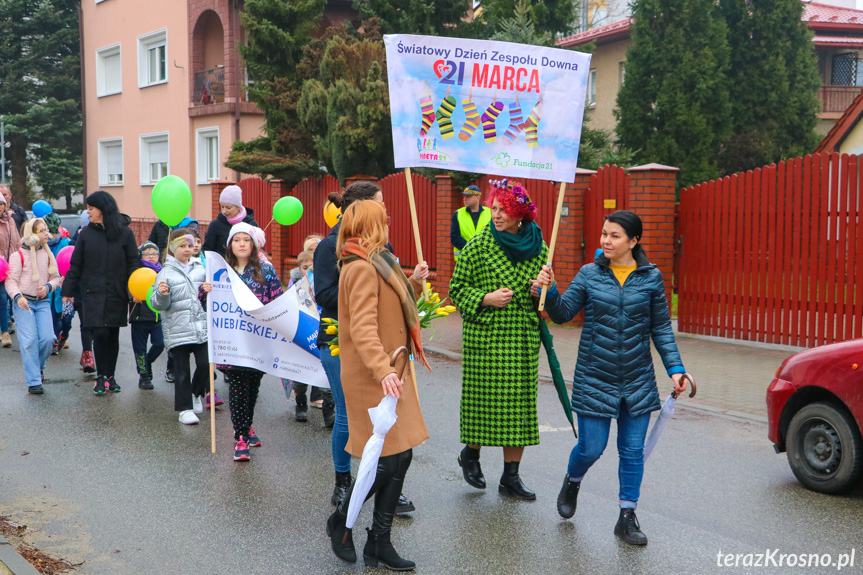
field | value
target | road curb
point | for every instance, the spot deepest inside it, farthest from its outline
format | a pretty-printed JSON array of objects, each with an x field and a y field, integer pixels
[{"x": 12, "y": 561}]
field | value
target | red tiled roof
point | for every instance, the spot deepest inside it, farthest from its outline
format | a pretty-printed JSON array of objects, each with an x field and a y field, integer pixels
[
  {"x": 842, "y": 127},
  {"x": 819, "y": 17},
  {"x": 838, "y": 41}
]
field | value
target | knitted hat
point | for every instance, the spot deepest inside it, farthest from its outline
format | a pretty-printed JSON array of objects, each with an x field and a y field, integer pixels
[
  {"x": 232, "y": 195},
  {"x": 147, "y": 246},
  {"x": 471, "y": 191},
  {"x": 53, "y": 222},
  {"x": 242, "y": 227},
  {"x": 260, "y": 237}
]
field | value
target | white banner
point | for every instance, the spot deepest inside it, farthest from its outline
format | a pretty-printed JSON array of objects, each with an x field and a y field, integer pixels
[
  {"x": 482, "y": 106},
  {"x": 279, "y": 338}
]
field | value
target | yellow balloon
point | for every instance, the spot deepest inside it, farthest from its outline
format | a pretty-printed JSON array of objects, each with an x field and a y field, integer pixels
[
  {"x": 332, "y": 214},
  {"x": 140, "y": 282}
]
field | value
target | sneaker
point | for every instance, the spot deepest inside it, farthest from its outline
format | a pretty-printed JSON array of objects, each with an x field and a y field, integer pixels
[
  {"x": 100, "y": 385},
  {"x": 404, "y": 505},
  {"x": 88, "y": 364},
  {"x": 188, "y": 417},
  {"x": 5, "y": 339},
  {"x": 628, "y": 529},
  {"x": 318, "y": 403},
  {"x": 241, "y": 450},
  {"x": 197, "y": 404},
  {"x": 254, "y": 440},
  {"x": 169, "y": 376},
  {"x": 145, "y": 382},
  {"x": 61, "y": 343},
  {"x": 55, "y": 349},
  {"x": 112, "y": 385},
  {"x": 218, "y": 401},
  {"x": 35, "y": 389}
]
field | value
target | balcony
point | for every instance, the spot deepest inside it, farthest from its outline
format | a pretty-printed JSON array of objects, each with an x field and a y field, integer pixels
[
  {"x": 835, "y": 99},
  {"x": 209, "y": 87}
]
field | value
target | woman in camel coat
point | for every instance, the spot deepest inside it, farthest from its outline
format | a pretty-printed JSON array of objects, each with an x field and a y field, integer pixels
[{"x": 377, "y": 315}]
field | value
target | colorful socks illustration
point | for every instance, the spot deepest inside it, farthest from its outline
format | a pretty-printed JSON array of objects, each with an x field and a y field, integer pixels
[
  {"x": 488, "y": 119},
  {"x": 427, "y": 109},
  {"x": 471, "y": 120},
  {"x": 530, "y": 131},
  {"x": 515, "y": 124},
  {"x": 444, "y": 117}
]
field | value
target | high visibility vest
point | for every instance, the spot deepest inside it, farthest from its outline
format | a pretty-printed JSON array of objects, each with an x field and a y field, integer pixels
[{"x": 465, "y": 224}]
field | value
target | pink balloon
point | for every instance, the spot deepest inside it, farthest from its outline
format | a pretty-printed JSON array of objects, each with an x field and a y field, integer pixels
[
  {"x": 64, "y": 259},
  {"x": 4, "y": 268}
]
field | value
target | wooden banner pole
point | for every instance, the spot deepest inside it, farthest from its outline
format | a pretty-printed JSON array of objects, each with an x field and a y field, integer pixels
[
  {"x": 551, "y": 245},
  {"x": 416, "y": 226}
]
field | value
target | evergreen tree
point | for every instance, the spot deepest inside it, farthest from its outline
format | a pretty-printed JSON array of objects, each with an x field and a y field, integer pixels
[
  {"x": 773, "y": 83},
  {"x": 674, "y": 107},
  {"x": 553, "y": 17},
  {"x": 39, "y": 84},
  {"x": 438, "y": 18}
]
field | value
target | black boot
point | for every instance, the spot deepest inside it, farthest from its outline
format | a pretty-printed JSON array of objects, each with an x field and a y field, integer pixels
[
  {"x": 628, "y": 529},
  {"x": 511, "y": 484},
  {"x": 329, "y": 412},
  {"x": 341, "y": 538},
  {"x": 468, "y": 460},
  {"x": 568, "y": 497},
  {"x": 379, "y": 549},
  {"x": 343, "y": 483},
  {"x": 302, "y": 412}
]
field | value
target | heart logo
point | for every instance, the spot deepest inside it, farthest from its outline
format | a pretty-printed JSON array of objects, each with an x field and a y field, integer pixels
[{"x": 440, "y": 68}]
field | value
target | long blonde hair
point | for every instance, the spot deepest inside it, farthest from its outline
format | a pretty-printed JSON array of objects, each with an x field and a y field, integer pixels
[
  {"x": 31, "y": 239},
  {"x": 366, "y": 221}
]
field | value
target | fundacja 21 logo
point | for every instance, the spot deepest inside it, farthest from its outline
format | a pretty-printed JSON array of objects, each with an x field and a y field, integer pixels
[{"x": 445, "y": 70}]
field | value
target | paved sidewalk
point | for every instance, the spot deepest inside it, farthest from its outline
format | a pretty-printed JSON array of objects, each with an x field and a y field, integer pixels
[{"x": 732, "y": 375}]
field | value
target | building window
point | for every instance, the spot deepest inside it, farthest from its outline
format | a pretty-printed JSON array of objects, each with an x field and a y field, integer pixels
[
  {"x": 109, "y": 71},
  {"x": 208, "y": 155},
  {"x": 154, "y": 158},
  {"x": 621, "y": 72},
  {"x": 111, "y": 162},
  {"x": 591, "y": 90},
  {"x": 152, "y": 58}
]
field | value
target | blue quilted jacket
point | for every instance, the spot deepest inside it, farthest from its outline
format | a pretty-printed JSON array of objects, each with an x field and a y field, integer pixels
[{"x": 614, "y": 361}]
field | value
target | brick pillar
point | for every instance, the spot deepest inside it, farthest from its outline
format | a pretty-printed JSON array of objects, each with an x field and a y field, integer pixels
[
  {"x": 278, "y": 251},
  {"x": 215, "y": 190},
  {"x": 652, "y": 197},
  {"x": 448, "y": 201}
]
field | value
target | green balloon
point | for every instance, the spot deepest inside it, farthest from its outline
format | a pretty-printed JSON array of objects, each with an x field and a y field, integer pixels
[
  {"x": 149, "y": 305},
  {"x": 171, "y": 200},
  {"x": 288, "y": 210}
]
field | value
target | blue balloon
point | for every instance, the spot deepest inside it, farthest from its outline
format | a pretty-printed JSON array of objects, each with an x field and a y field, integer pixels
[{"x": 42, "y": 209}]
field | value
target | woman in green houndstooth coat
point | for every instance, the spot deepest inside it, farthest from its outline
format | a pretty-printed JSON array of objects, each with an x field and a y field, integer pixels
[{"x": 491, "y": 287}]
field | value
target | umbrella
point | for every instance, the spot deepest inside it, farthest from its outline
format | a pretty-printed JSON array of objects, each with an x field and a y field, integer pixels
[
  {"x": 664, "y": 415},
  {"x": 556, "y": 375},
  {"x": 383, "y": 418}
]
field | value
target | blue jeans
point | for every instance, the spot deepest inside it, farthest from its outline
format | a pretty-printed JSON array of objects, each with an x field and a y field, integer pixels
[
  {"x": 333, "y": 369},
  {"x": 4, "y": 309},
  {"x": 35, "y": 337},
  {"x": 592, "y": 439}
]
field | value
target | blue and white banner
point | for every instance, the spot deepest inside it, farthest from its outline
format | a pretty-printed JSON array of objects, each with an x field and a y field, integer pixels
[
  {"x": 483, "y": 106},
  {"x": 279, "y": 338}
]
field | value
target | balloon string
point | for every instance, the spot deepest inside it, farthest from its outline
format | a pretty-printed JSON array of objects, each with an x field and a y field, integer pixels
[{"x": 268, "y": 225}]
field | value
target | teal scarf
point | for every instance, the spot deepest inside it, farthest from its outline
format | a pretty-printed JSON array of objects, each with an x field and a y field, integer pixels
[{"x": 521, "y": 246}]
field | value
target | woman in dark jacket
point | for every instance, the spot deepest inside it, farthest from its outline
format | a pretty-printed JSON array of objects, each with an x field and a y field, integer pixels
[
  {"x": 623, "y": 297},
  {"x": 232, "y": 213},
  {"x": 104, "y": 258}
]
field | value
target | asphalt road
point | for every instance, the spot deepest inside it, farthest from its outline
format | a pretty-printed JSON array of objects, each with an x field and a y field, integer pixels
[{"x": 118, "y": 483}]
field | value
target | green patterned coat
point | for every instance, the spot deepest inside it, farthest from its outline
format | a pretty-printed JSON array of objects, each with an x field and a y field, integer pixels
[{"x": 501, "y": 345}]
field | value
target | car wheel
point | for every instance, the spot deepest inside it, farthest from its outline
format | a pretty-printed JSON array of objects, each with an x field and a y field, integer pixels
[{"x": 825, "y": 450}]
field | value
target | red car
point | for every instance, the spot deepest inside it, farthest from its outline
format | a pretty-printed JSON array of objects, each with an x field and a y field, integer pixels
[{"x": 815, "y": 413}]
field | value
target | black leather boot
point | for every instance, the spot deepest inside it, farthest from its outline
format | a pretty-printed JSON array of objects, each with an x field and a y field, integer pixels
[
  {"x": 568, "y": 497},
  {"x": 511, "y": 484},
  {"x": 341, "y": 538},
  {"x": 468, "y": 460},
  {"x": 628, "y": 529},
  {"x": 343, "y": 483},
  {"x": 379, "y": 549},
  {"x": 302, "y": 412}
]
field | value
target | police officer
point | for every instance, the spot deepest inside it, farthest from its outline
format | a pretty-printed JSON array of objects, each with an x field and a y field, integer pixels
[{"x": 469, "y": 220}]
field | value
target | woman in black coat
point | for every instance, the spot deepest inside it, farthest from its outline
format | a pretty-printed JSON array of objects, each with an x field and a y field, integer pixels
[
  {"x": 104, "y": 258},
  {"x": 232, "y": 212}
]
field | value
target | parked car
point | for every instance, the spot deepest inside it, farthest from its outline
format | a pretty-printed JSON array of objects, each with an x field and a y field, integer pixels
[{"x": 815, "y": 413}]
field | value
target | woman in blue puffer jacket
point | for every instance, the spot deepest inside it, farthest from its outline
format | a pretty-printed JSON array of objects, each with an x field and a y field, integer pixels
[{"x": 623, "y": 297}]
